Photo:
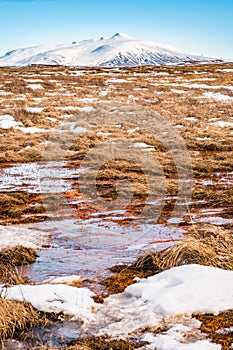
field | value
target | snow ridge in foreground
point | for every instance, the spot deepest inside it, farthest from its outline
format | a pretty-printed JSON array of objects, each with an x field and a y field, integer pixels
[{"x": 169, "y": 298}]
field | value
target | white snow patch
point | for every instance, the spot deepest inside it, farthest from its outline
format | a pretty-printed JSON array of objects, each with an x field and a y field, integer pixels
[
  {"x": 86, "y": 109},
  {"x": 35, "y": 86},
  {"x": 174, "y": 339},
  {"x": 177, "y": 91},
  {"x": 217, "y": 96},
  {"x": 32, "y": 129},
  {"x": 225, "y": 70},
  {"x": 192, "y": 119},
  {"x": 144, "y": 146},
  {"x": 223, "y": 124},
  {"x": 182, "y": 290},
  {"x": 7, "y": 122},
  {"x": 63, "y": 280},
  {"x": 76, "y": 302},
  {"x": 118, "y": 81},
  {"x": 34, "y": 109}
]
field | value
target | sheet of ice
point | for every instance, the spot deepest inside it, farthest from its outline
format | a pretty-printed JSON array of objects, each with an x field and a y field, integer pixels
[
  {"x": 35, "y": 86},
  {"x": 25, "y": 235},
  {"x": 7, "y": 122},
  {"x": 46, "y": 177},
  {"x": 76, "y": 302},
  {"x": 215, "y": 220},
  {"x": 217, "y": 96}
]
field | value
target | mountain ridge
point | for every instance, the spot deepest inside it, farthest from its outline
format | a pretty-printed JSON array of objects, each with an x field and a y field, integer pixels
[{"x": 118, "y": 50}]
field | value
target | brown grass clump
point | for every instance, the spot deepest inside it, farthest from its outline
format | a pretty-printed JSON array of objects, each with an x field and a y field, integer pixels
[
  {"x": 206, "y": 245},
  {"x": 218, "y": 327},
  {"x": 18, "y": 256},
  {"x": 17, "y": 317},
  {"x": 10, "y": 259},
  {"x": 104, "y": 343}
]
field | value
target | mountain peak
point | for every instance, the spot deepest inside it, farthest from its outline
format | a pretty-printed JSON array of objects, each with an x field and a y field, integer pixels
[{"x": 120, "y": 36}]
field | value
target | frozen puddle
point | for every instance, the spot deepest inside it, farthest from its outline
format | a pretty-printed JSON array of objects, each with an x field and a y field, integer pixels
[
  {"x": 38, "y": 177},
  {"x": 88, "y": 250}
]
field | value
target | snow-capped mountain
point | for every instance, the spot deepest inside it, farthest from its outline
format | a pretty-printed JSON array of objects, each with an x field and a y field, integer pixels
[{"x": 118, "y": 50}]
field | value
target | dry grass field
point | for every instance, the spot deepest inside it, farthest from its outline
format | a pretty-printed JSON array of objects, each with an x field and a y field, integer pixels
[{"x": 65, "y": 115}]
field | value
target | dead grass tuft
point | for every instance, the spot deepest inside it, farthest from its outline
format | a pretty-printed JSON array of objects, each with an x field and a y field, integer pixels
[
  {"x": 218, "y": 328},
  {"x": 10, "y": 259},
  {"x": 17, "y": 317},
  {"x": 205, "y": 245}
]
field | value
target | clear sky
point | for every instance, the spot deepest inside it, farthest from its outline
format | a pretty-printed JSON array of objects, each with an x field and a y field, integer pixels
[{"x": 193, "y": 26}]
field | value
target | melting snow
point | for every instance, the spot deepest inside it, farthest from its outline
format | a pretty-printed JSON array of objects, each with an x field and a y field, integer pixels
[
  {"x": 7, "y": 122},
  {"x": 34, "y": 109},
  {"x": 56, "y": 298},
  {"x": 223, "y": 124},
  {"x": 35, "y": 86},
  {"x": 217, "y": 96}
]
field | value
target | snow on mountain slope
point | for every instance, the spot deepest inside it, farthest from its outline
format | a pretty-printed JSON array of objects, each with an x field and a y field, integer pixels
[{"x": 119, "y": 50}]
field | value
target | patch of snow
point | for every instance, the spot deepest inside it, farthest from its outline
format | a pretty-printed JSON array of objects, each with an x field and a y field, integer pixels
[
  {"x": 217, "y": 96},
  {"x": 192, "y": 119},
  {"x": 86, "y": 109},
  {"x": 203, "y": 138},
  {"x": 35, "y": 86},
  {"x": 226, "y": 70},
  {"x": 7, "y": 122},
  {"x": 103, "y": 93},
  {"x": 176, "y": 292},
  {"x": 32, "y": 129},
  {"x": 119, "y": 81},
  {"x": 86, "y": 99},
  {"x": 223, "y": 124},
  {"x": 176, "y": 91},
  {"x": 143, "y": 145},
  {"x": 34, "y": 109},
  {"x": 5, "y": 93},
  {"x": 76, "y": 302},
  {"x": 63, "y": 280},
  {"x": 175, "y": 339}
]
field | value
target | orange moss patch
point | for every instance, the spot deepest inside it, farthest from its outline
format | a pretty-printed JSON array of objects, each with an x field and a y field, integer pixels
[{"x": 218, "y": 328}]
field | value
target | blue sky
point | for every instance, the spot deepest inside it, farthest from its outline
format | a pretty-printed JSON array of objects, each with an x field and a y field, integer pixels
[{"x": 202, "y": 27}]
